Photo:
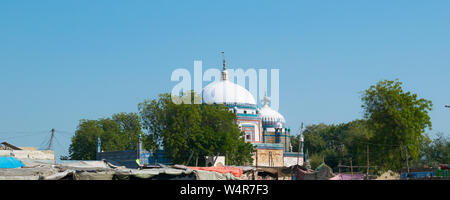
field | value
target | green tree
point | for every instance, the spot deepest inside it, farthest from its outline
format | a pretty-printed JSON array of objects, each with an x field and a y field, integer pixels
[
  {"x": 121, "y": 132},
  {"x": 189, "y": 132},
  {"x": 130, "y": 126},
  {"x": 84, "y": 143},
  {"x": 435, "y": 152},
  {"x": 155, "y": 115},
  {"x": 337, "y": 144},
  {"x": 111, "y": 137},
  {"x": 183, "y": 136},
  {"x": 398, "y": 120},
  {"x": 223, "y": 135}
]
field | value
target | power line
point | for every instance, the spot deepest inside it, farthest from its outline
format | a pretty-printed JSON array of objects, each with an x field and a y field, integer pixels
[
  {"x": 17, "y": 136},
  {"x": 66, "y": 136},
  {"x": 65, "y": 132},
  {"x": 338, "y": 143},
  {"x": 37, "y": 132},
  {"x": 19, "y": 132},
  {"x": 59, "y": 143},
  {"x": 47, "y": 142},
  {"x": 44, "y": 143}
]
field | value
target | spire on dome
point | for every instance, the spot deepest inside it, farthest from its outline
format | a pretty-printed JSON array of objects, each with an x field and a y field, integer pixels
[
  {"x": 266, "y": 100},
  {"x": 224, "y": 62},
  {"x": 224, "y": 72}
]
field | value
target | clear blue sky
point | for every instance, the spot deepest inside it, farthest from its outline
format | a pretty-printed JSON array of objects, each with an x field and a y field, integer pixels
[{"x": 62, "y": 61}]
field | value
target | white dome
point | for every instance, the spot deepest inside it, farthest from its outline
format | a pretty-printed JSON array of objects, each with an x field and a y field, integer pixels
[
  {"x": 226, "y": 92},
  {"x": 271, "y": 117}
]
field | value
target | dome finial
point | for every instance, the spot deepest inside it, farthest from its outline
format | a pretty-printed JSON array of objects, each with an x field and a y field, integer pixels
[
  {"x": 224, "y": 61},
  {"x": 266, "y": 100},
  {"x": 224, "y": 72}
]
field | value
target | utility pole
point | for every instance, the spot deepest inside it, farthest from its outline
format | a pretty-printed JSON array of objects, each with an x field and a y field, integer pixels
[
  {"x": 300, "y": 141},
  {"x": 50, "y": 145}
]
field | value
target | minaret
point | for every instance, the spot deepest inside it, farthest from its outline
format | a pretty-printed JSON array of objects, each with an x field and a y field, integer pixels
[
  {"x": 99, "y": 145},
  {"x": 224, "y": 72}
]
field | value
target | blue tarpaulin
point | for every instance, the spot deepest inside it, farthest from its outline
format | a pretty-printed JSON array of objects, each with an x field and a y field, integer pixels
[
  {"x": 10, "y": 162},
  {"x": 416, "y": 175}
]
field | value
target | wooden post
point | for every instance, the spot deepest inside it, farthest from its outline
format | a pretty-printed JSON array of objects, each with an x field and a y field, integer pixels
[
  {"x": 407, "y": 159},
  {"x": 342, "y": 157},
  {"x": 256, "y": 158},
  {"x": 351, "y": 166},
  {"x": 368, "y": 162}
]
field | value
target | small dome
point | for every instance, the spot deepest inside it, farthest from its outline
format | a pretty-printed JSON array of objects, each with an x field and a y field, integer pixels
[
  {"x": 226, "y": 92},
  {"x": 271, "y": 117}
]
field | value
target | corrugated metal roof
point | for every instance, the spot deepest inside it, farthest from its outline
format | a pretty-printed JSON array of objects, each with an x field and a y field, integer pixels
[{"x": 10, "y": 146}]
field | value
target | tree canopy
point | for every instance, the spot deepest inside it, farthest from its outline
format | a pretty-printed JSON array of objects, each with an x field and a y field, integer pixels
[
  {"x": 393, "y": 128},
  {"x": 399, "y": 120},
  {"x": 434, "y": 151},
  {"x": 335, "y": 144},
  {"x": 392, "y": 132},
  {"x": 120, "y": 132},
  {"x": 189, "y": 132}
]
